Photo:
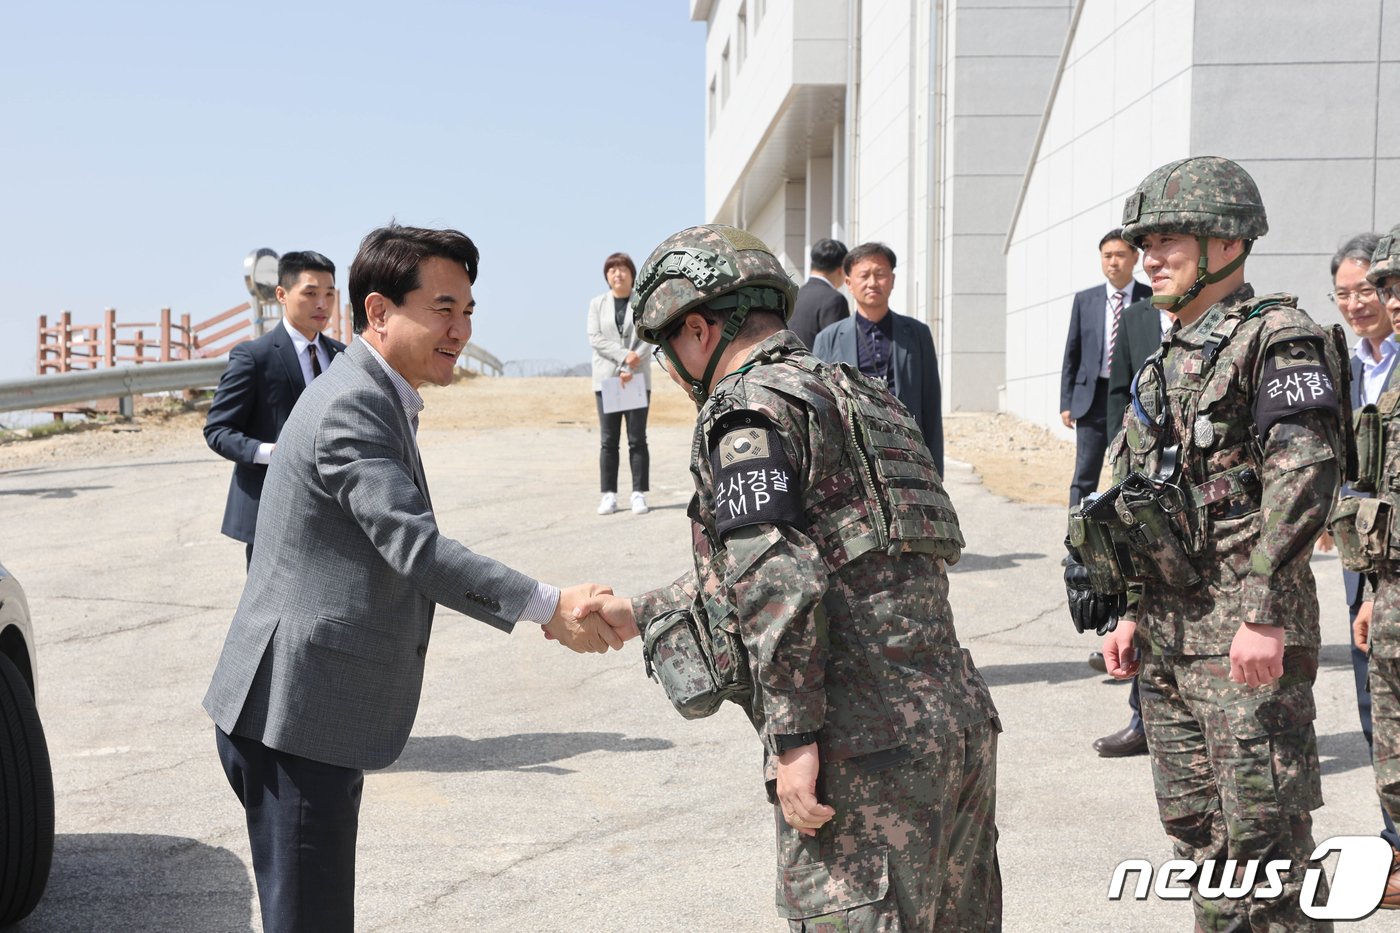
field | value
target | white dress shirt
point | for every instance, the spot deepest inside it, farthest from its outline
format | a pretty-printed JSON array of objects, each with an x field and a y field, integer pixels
[{"x": 1375, "y": 372}]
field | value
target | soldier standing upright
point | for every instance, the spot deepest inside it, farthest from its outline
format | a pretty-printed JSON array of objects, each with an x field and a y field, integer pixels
[
  {"x": 819, "y": 603},
  {"x": 1225, "y": 472},
  {"x": 1370, "y": 550}
]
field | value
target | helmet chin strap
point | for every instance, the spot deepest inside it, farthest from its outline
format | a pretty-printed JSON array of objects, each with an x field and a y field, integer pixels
[
  {"x": 699, "y": 388},
  {"x": 1173, "y": 303}
]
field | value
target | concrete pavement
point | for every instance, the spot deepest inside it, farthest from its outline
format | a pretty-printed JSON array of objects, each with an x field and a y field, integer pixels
[{"x": 543, "y": 790}]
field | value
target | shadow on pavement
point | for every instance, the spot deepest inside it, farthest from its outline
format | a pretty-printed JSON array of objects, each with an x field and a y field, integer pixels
[
  {"x": 527, "y": 751},
  {"x": 129, "y": 882},
  {"x": 54, "y": 492},
  {"x": 971, "y": 563},
  {"x": 1039, "y": 672},
  {"x": 1343, "y": 751}
]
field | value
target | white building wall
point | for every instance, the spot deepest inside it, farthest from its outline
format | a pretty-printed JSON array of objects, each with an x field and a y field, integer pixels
[
  {"x": 758, "y": 88},
  {"x": 999, "y": 62},
  {"x": 1296, "y": 105},
  {"x": 1122, "y": 108}
]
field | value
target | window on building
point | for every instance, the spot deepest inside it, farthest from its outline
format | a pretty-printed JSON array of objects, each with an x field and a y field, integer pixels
[
  {"x": 741, "y": 36},
  {"x": 714, "y": 105},
  {"x": 724, "y": 76}
]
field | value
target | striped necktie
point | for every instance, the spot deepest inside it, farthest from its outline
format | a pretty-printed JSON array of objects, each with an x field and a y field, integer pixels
[{"x": 1115, "y": 306}]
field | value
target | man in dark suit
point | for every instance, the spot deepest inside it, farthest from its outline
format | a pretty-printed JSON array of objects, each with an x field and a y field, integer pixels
[
  {"x": 819, "y": 301},
  {"x": 1139, "y": 336},
  {"x": 264, "y": 379},
  {"x": 889, "y": 346},
  {"x": 321, "y": 671},
  {"x": 1372, "y": 372},
  {"x": 1093, "y": 323}
]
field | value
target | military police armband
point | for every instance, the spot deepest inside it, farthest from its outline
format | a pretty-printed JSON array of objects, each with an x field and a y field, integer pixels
[
  {"x": 1296, "y": 379},
  {"x": 754, "y": 483}
]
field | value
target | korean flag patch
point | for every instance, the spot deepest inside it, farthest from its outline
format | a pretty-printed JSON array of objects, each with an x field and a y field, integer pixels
[{"x": 754, "y": 483}]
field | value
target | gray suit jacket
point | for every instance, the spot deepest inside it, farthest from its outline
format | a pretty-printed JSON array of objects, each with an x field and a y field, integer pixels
[
  {"x": 610, "y": 345},
  {"x": 915, "y": 367},
  {"x": 324, "y": 658}
]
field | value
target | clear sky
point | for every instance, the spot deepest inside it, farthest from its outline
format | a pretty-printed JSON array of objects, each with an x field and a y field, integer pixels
[{"x": 148, "y": 147}]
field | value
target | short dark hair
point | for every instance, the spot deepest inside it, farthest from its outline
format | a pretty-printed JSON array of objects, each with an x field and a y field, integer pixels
[
  {"x": 389, "y": 259},
  {"x": 1115, "y": 234},
  {"x": 828, "y": 255},
  {"x": 619, "y": 259},
  {"x": 867, "y": 251},
  {"x": 1360, "y": 247},
  {"x": 292, "y": 265}
]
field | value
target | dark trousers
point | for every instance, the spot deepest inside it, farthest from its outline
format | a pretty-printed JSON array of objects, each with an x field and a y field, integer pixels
[
  {"x": 1360, "y": 668},
  {"x": 1090, "y": 441},
  {"x": 638, "y": 457},
  {"x": 303, "y": 817}
]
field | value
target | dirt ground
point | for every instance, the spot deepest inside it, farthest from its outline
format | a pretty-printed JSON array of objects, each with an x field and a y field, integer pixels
[{"x": 1015, "y": 459}]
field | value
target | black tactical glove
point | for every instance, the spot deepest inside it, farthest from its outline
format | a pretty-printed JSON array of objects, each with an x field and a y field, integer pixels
[{"x": 1087, "y": 609}]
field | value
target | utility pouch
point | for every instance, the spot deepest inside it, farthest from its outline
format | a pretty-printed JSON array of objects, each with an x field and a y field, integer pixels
[
  {"x": 1093, "y": 542},
  {"x": 1153, "y": 531},
  {"x": 681, "y": 655},
  {"x": 1369, "y": 434},
  {"x": 1345, "y": 526}
]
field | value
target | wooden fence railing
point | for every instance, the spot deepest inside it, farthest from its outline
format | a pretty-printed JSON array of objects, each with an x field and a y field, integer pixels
[{"x": 66, "y": 347}]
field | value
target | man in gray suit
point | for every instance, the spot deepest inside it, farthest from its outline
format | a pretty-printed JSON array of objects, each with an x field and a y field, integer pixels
[
  {"x": 321, "y": 671},
  {"x": 886, "y": 345}
]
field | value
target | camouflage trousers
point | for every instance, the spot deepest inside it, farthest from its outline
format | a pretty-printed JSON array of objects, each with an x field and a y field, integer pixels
[
  {"x": 1385, "y": 723},
  {"x": 912, "y": 846},
  {"x": 1236, "y": 776}
]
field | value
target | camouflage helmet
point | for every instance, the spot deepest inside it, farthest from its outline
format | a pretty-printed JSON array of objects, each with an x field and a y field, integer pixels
[
  {"x": 1206, "y": 196},
  {"x": 1386, "y": 259},
  {"x": 693, "y": 268}
]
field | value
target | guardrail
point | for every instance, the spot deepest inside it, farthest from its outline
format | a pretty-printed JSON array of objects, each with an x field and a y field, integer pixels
[
  {"x": 119, "y": 382},
  {"x": 486, "y": 360},
  {"x": 126, "y": 382}
]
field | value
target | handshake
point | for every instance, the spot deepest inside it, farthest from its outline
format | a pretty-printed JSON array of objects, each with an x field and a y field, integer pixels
[{"x": 590, "y": 618}]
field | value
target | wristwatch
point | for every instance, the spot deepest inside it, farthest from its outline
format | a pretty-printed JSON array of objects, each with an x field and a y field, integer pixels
[{"x": 783, "y": 743}]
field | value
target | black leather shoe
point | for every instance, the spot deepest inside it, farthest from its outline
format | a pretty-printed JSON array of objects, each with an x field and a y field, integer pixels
[
  {"x": 1121, "y": 744},
  {"x": 1097, "y": 663}
]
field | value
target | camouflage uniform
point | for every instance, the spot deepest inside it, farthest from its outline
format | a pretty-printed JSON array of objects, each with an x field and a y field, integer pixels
[
  {"x": 1384, "y": 679},
  {"x": 847, "y": 640},
  {"x": 1245, "y": 398}
]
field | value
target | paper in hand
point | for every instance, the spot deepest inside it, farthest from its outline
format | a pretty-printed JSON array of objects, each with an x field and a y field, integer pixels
[{"x": 619, "y": 397}]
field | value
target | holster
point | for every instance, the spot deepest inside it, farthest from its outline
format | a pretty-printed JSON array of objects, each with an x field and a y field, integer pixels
[{"x": 1143, "y": 525}]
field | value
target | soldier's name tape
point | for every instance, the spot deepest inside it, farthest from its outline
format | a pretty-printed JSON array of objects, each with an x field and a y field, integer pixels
[{"x": 1357, "y": 883}]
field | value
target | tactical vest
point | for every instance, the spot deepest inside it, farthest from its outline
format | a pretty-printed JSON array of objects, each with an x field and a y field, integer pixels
[
  {"x": 875, "y": 493},
  {"x": 1189, "y": 456},
  {"x": 893, "y": 499}
]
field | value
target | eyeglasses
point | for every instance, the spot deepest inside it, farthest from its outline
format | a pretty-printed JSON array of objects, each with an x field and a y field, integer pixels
[
  {"x": 1387, "y": 292},
  {"x": 659, "y": 355},
  {"x": 1361, "y": 295}
]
